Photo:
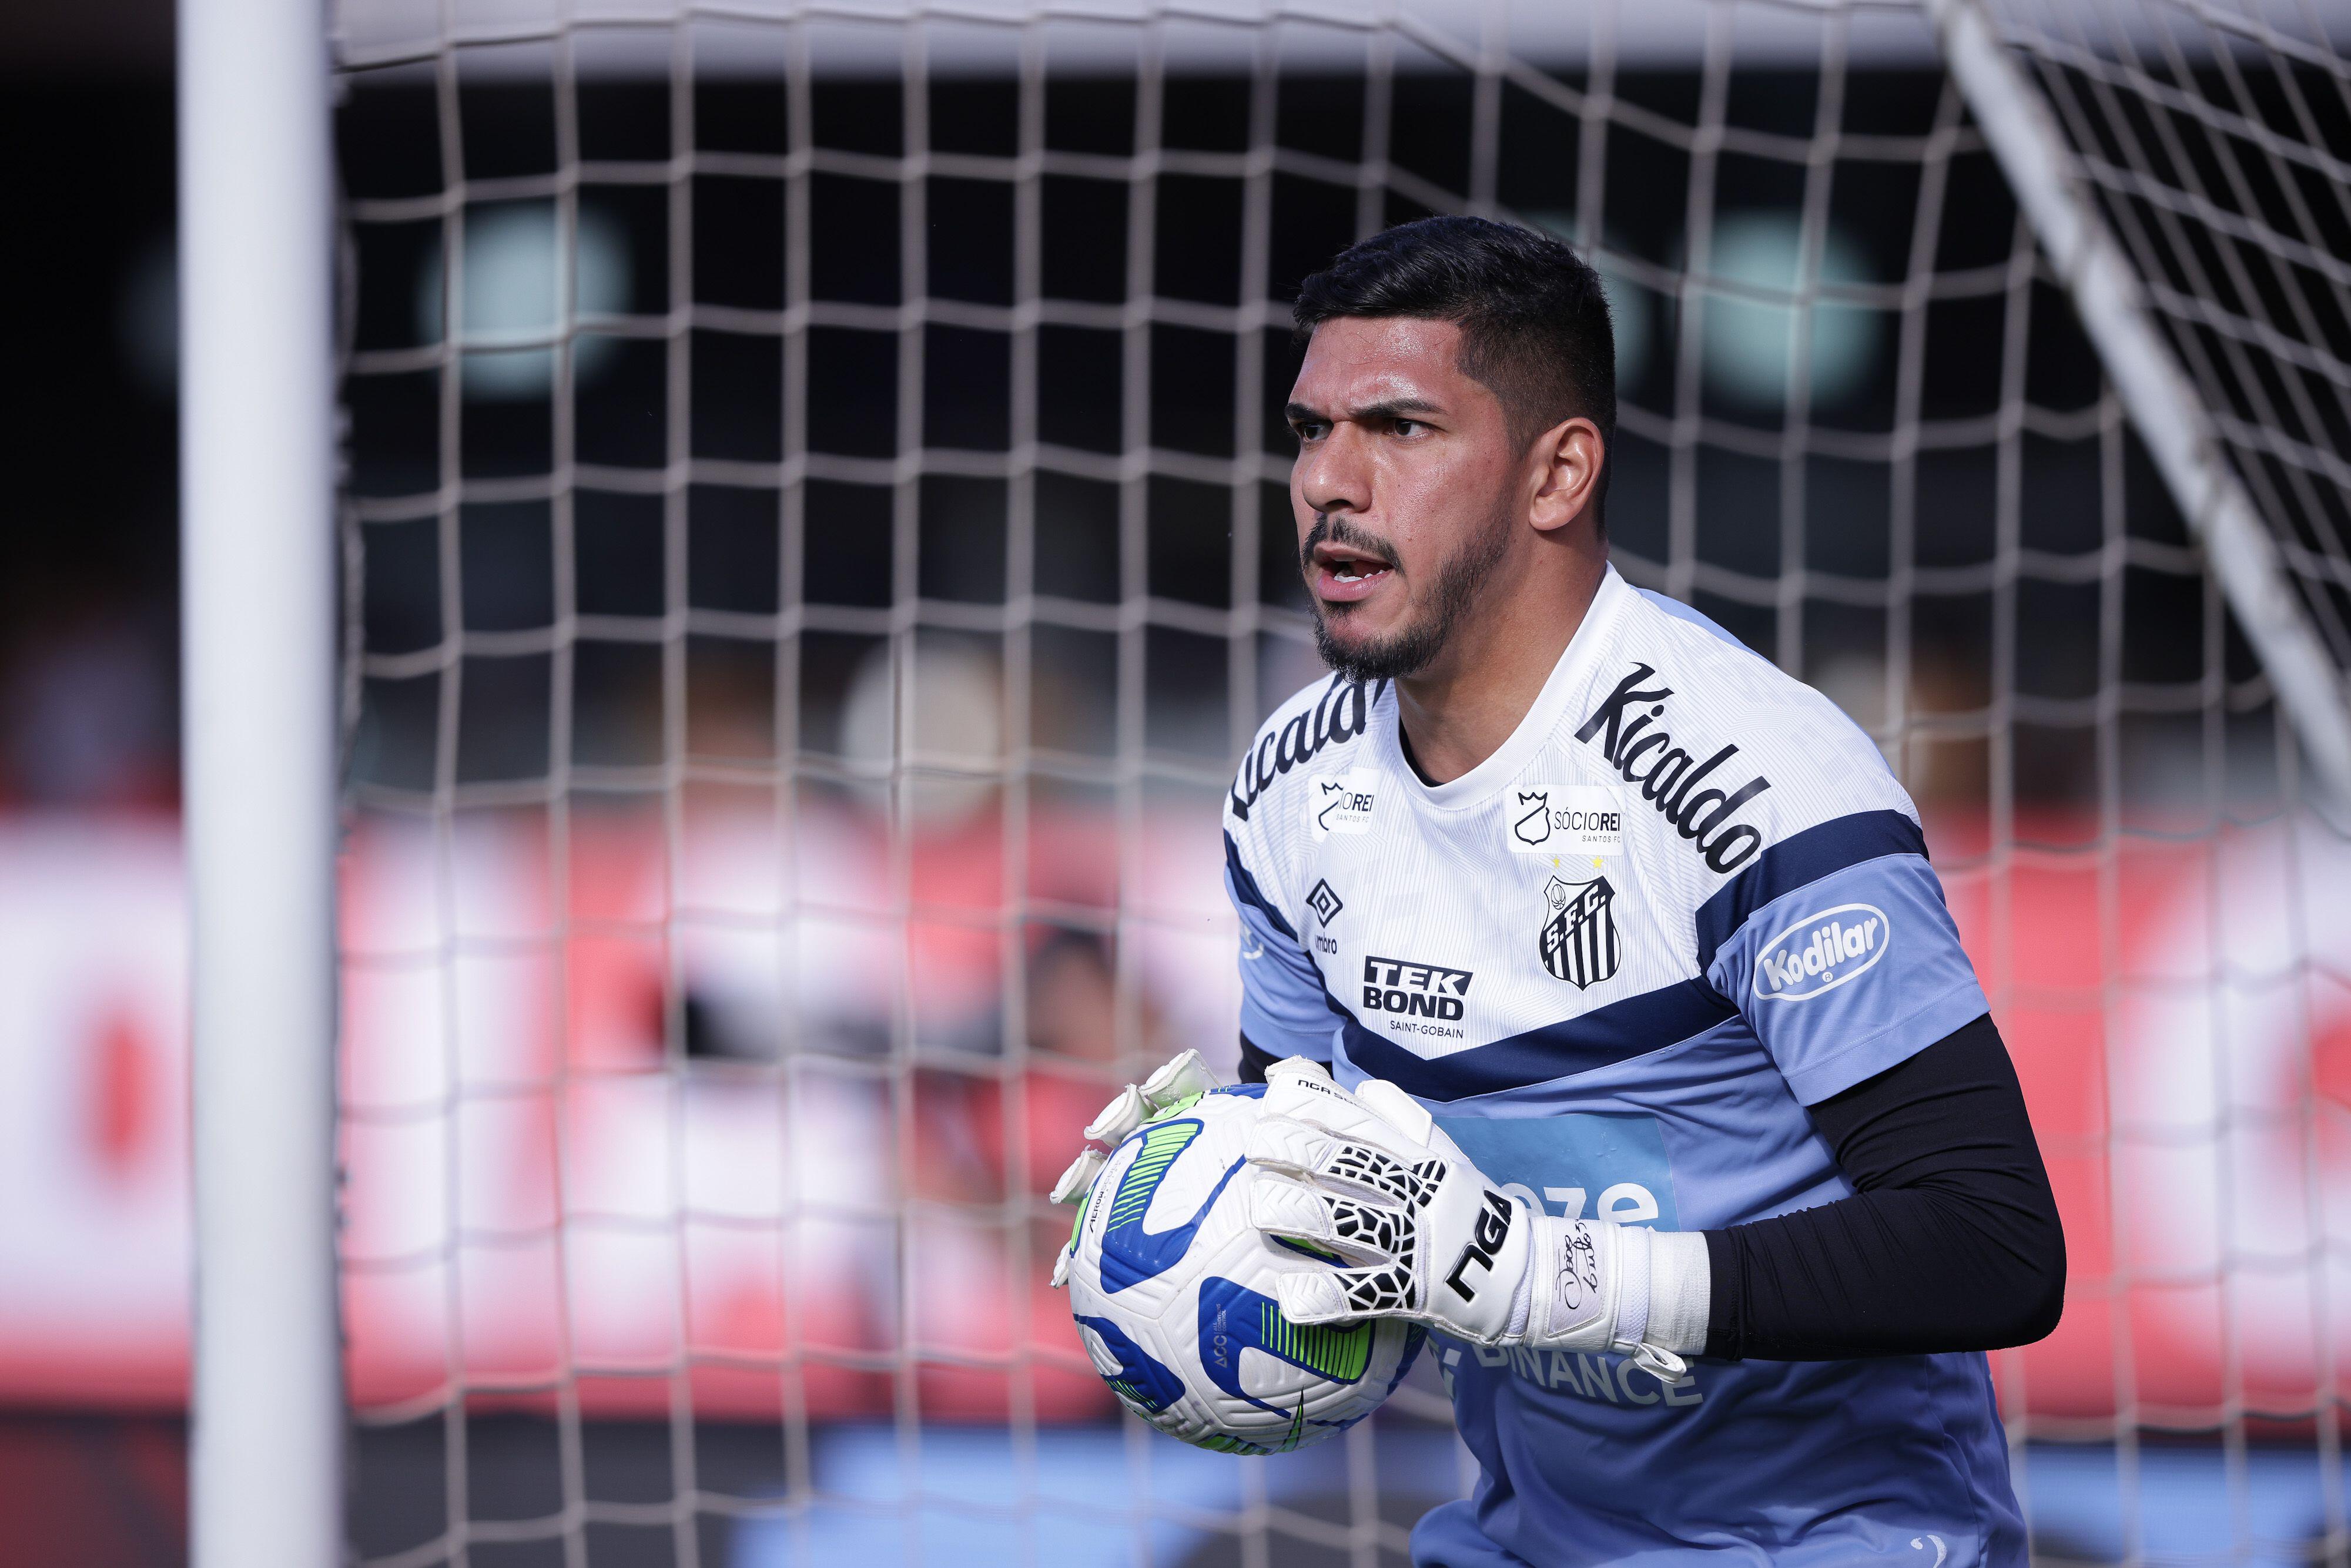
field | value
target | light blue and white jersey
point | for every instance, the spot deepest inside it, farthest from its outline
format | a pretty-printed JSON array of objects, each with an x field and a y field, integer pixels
[{"x": 1684, "y": 900}]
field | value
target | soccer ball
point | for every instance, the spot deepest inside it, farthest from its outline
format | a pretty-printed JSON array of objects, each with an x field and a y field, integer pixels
[{"x": 1173, "y": 1291}]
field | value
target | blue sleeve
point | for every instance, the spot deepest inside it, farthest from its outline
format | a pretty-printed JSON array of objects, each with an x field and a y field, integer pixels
[
  {"x": 1285, "y": 1011},
  {"x": 1837, "y": 948}
]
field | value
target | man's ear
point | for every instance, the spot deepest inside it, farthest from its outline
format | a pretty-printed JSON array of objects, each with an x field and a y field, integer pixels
[{"x": 1566, "y": 460}]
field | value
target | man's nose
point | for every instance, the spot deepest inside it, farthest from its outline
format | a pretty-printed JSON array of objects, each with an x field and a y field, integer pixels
[{"x": 1333, "y": 476}]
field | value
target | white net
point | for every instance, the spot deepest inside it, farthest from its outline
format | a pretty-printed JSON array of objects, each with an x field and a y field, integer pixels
[
  {"x": 2216, "y": 142},
  {"x": 817, "y": 540}
]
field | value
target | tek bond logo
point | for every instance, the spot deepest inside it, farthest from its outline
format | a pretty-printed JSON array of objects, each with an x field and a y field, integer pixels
[{"x": 1413, "y": 991}]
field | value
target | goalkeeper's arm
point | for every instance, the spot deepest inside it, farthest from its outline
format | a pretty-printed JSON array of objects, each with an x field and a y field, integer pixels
[{"x": 1951, "y": 1241}]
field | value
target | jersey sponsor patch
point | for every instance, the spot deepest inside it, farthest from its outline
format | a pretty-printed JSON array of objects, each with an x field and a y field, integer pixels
[
  {"x": 1340, "y": 714},
  {"x": 1629, "y": 726},
  {"x": 1341, "y": 803},
  {"x": 1580, "y": 1165},
  {"x": 1405, "y": 989},
  {"x": 1822, "y": 952},
  {"x": 1565, "y": 820},
  {"x": 1578, "y": 940}
]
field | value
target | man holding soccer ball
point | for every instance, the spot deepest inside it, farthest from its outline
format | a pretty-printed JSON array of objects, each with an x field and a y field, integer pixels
[{"x": 1615, "y": 1027}]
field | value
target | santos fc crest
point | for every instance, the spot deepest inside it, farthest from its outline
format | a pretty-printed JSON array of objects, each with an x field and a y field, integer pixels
[{"x": 1579, "y": 936}]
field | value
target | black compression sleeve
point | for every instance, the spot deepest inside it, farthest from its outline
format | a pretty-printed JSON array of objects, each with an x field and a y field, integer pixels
[
  {"x": 1952, "y": 1241},
  {"x": 1254, "y": 1061}
]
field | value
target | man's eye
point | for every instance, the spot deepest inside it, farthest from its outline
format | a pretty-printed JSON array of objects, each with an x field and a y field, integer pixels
[
  {"x": 1408, "y": 426},
  {"x": 1309, "y": 430}
]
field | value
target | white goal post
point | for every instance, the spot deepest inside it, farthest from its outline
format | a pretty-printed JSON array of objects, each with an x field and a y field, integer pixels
[
  {"x": 257, "y": 608},
  {"x": 2162, "y": 402},
  {"x": 809, "y": 546}
]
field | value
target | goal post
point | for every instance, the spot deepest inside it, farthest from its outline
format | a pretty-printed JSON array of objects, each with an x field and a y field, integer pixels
[
  {"x": 2024, "y": 136},
  {"x": 812, "y": 544},
  {"x": 259, "y": 657}
]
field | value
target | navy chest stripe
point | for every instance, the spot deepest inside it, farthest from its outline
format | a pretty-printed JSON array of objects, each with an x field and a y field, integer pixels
[
  {"x": 1798, "y": 860},
  {"x": 1601, "y": 1038},
  {"x": 1246, "y": 886}
]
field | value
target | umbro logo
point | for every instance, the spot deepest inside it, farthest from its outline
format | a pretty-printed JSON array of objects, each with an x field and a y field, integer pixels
[{"x": 1324, "y": 902}]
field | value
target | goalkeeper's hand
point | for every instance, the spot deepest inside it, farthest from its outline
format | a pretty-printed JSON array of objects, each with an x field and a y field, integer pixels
[
  {"x": 1176, "y": 1085},
  {"x": 1416, "y": 1230}
]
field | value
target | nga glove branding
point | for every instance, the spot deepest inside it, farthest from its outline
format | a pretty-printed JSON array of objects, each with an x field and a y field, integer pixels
[{"x": 1485, "y": 1243}]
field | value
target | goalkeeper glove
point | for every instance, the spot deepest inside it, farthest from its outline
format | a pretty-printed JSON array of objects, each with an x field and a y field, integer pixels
[
  {"x": 1417, "y": 1231},
  {"x": 1176, "y": 1085}
]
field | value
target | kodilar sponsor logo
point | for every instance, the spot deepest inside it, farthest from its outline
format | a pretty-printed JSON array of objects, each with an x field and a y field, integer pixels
[
  {"x": 1343, "y": 712},
  {"x": 1643, "y": 750},
  {"x": 1822, "y": 952},
  {"x": 1416, "y": 990}
]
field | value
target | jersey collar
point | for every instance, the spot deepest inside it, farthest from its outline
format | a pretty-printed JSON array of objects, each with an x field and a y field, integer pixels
[{"x": 1534, "y": 731}]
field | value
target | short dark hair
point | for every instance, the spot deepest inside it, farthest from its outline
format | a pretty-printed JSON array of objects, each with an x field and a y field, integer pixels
[{"x": 1532, "y": 314}]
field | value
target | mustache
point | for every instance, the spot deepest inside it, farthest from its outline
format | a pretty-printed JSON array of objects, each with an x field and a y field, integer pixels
[{"x": 1328, "y": 530}]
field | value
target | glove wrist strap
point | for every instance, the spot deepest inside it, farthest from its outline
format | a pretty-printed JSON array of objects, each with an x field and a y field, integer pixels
[
  {"x": 1522, "y": 1299},
  {"x": 1637, "y": 1293},
  {"x": 1632, "y": 1303}
]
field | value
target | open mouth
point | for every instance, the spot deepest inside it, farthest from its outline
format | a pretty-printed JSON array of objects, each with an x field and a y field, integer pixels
[{"x": 1342, "y": 575}]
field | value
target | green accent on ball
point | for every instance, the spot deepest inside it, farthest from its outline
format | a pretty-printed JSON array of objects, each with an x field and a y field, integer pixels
[
  {"x": 1079, "y": 1224},
  {"x": 1218, "y": 1443},
  {"x": 1297, "y": 1432},
  {"x": 1337, "y": 1354},
  {"x": 1161, "y": 1145}
]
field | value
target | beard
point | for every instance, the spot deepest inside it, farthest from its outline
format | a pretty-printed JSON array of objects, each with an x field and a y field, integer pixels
[{"x": 1415, "y": 645}]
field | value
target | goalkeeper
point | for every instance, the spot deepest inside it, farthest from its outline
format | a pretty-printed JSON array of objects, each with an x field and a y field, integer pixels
[{"x": 1627, "y": 943}]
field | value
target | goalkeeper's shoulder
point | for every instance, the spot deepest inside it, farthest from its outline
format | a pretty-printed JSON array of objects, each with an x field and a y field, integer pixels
[
  {"x": 1318, "y": 733},
  {"x": 1312, "y": 734},
  {"x": 1788, "y": 757},
  {"x": 1302, "y": 774}
]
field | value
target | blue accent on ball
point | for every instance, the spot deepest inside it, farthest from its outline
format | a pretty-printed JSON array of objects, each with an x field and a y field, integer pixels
[
  {"x": 1130, "y": 1254},
  {"x": 1246, "y": 1091},
  {"x": 1144, "y": 1383},
  {"x": 1232, "y": 1319}
]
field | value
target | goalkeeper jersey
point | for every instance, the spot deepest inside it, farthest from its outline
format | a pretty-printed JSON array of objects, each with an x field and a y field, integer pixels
[{"x": 1683, "y": 901}]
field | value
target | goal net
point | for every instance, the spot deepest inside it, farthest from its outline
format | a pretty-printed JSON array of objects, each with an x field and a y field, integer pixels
[{"x": 816, "y": 543}]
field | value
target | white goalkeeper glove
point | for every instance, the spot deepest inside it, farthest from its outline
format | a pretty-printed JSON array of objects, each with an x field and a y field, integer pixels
[
  {"x": 1417, "y": 1231},
  {"x": 1174, "y": 1085}
]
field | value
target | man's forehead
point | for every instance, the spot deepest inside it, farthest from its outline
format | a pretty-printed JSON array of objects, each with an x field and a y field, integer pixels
[{"x": 1357, "y": 360}]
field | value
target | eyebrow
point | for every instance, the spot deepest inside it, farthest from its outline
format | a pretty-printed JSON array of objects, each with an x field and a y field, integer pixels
[{"x": 1393, "y": 408}]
